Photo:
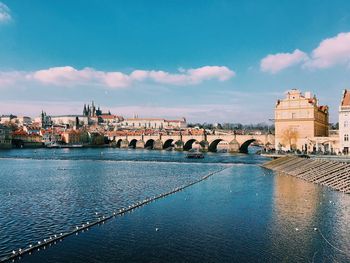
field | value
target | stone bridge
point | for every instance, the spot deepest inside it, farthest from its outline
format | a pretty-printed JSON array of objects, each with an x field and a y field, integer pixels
[{"x": 205, "y": 142}]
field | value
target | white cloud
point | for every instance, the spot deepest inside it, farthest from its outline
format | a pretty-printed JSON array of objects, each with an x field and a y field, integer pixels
[
  {"x": 70, "y": 77},
  {"x": 330, "y": 52},
  {"x": 277, "y": 62},
  {"x": 5, "y": 15}
]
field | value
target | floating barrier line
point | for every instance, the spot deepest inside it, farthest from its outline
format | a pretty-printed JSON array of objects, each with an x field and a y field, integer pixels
[
  {"x": 329, "y": 243},
  {"x": 59, "y": 237}
]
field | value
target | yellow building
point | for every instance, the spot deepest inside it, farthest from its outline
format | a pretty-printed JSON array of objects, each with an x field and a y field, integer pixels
[{"x": 298, "y": 119}]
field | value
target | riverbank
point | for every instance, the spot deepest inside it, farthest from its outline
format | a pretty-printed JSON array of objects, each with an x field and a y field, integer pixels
[{"x": 333, "y": 173}]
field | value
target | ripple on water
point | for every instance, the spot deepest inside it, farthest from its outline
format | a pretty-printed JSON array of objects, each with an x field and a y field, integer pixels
[{"x": 48, "y": 197}]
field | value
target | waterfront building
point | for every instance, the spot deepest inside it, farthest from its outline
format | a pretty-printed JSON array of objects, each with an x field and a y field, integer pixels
[
  {"x": 153, "y": 123},
  {"x": 96, "y": 138},
  {"x": 344, "y": 122},
  {"x": 21, "y": 138},
  {"x": 50, "y": 136},
  {"x": 299, "y": 119},
  {"x": 71, "y": 137},
  {"x": 5, "y": 137}
]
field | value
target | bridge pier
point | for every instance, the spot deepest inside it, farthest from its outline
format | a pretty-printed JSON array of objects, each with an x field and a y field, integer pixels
[
  {"x": 204, "y": 146},
  {"x": 124, "y": 144},
  {"x": 233, "y": 146},
  {"x": 179, "y": 146},
  {"x": 140, "y": 144},
  {"x": 158, "y": 145}
]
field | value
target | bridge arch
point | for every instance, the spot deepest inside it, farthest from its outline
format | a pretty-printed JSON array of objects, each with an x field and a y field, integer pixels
[
  {"x": 132, "y": 144},
  {"x": 213, "y": 146},
  {"x": 118, "y": 143},
  {"x": 245, "y": 145},
  {"x": 188, "y": 145},
  {"x": 149, "y": 144},
  {"x": 168, "y": 143}
]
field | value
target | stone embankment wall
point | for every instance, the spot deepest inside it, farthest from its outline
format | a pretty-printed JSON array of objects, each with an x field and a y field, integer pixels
[{"x": 331, "y": 173}]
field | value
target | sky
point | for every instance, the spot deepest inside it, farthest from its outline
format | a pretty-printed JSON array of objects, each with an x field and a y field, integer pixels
[{"x": 208, "y": 61}]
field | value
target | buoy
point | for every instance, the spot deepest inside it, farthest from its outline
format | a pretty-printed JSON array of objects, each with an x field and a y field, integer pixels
[
  {"x": 315, "y": 228},
  {"x": 30, "y": 245},
  {"x": 157, "y": 229},
  {"x": 39, "y": 242},
  {"x": 13, "y": 252}
]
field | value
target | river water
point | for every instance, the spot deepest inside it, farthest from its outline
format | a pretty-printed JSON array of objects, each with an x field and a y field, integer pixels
[{"x": 244, "y": 213}]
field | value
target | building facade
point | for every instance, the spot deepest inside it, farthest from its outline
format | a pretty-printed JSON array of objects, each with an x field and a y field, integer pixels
[
  {"x": 70, "y": 120},
  {"x": 299, "y": 119},
  {"x": 5, "y": 119},
  {"x": 5, "y": 137},
  {"x": 153, "y": 123},
  {"x": 344, "y": 123}
]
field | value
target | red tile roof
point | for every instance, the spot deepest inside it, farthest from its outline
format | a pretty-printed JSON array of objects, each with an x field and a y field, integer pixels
[{"x": 346, "y": 98}]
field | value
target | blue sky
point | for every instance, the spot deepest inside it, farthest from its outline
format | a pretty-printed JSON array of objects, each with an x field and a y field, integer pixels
[{"x": 214, "y": 61}]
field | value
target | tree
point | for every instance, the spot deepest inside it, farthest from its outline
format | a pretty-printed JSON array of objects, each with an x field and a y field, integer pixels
[{"x": 290, "y": 137}]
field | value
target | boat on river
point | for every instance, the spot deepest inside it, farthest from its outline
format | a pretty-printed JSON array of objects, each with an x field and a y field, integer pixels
[
  {"x": 195, "y": 155},
  {"x": 57, "y": 145}
]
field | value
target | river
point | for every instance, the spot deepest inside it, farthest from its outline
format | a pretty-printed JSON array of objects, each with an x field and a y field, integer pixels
[{"x": 243, "y": 213}]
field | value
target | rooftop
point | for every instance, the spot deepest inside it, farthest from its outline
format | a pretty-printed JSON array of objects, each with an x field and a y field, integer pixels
[{"x": 346, "y": 99}]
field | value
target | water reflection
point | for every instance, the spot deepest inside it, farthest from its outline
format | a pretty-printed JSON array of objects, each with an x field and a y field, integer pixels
[{"x": 305, "y": 213}]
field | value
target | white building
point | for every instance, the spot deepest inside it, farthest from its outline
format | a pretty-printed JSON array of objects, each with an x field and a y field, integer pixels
[
  {"x": 23, "y": 120},
  {"x": 4, "y": 119},
  {"x": 69, "y": 120},
  {"x": 344, "y": 122},
  {"x": 153, "y": 123}
]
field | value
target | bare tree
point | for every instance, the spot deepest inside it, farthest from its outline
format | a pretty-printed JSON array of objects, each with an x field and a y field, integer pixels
[{"x": 290, "y": 137}]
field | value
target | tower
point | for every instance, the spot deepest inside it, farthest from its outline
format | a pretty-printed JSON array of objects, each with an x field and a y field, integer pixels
[
  {"x": 85, "y": 111},
  {"x": 76, "y": 126},
  {"x": 42, "y": 119}
]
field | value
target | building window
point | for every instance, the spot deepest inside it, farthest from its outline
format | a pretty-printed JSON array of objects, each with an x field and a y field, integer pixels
[
  {"x": 346, "y": 124},
  {"x": 293, "y": 115},
  {"x": 346, "y": 137}
]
